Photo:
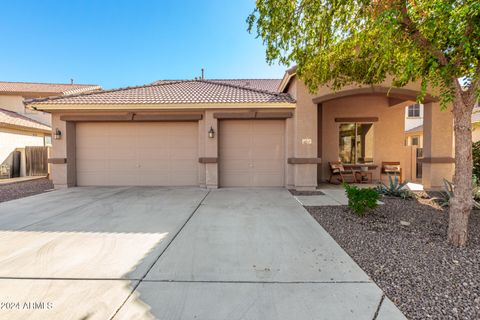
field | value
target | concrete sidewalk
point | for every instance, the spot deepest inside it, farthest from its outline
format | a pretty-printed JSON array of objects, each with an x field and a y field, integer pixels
[{"x": 186, "y": 253}]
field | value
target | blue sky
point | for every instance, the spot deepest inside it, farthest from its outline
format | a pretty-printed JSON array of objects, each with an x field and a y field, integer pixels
[{"x": 121, "y": 43}]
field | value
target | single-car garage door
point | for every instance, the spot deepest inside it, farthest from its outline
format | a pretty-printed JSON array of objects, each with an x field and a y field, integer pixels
[
  {"x": 137, "y": 153},
  {"x": 252, "y": 153}
]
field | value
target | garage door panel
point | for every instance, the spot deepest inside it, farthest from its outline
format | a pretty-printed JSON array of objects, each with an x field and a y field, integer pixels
[
  {"x": 92, "y": 165},
  {"x": 235, "y": 154},
  {"x": 91, "y": 178},
  {"x": 156, "y": 153},
  {"x": 235, "y": 165},
  {"x": 236, "y": 179},
  {"x": 267, "y": 165},
  {"x": 91, "y": 153},
  {"x": 94, "y": 143},
  {"x": 267, "y": 180},
  {"x": 123, "y": 154},
  {"x": 252, "y": 153}
]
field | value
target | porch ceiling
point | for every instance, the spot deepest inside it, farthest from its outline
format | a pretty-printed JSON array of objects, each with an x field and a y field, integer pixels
[{"x": 394, "y": 95}]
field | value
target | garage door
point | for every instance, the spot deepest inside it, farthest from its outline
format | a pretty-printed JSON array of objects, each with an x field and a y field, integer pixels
[
  {"x": 252, "y": 153},
  {"x": 125, "y": 154}
]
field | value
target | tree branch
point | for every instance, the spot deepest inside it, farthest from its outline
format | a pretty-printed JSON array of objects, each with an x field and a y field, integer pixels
[{"x": 423, "y": 42}]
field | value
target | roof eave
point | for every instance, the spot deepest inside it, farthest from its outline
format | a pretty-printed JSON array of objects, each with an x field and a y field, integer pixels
[
  {"x": 24, "y": 128},
  {"x": 159, "y": 106},
  {"x": 287, "y": 77}
]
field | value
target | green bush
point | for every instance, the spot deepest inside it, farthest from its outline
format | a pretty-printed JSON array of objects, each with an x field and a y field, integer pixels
[
  {"x": 361, "y": 200},
  {"x": 476, "y": 159}
]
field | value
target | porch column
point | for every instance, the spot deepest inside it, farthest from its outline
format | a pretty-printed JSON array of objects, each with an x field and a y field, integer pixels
[
  {"x": 438, "y": 148},
  {"x": 62, "y": 158},
  {"x": 211, "y": 150},
  {"x": 305, "y": 160}
]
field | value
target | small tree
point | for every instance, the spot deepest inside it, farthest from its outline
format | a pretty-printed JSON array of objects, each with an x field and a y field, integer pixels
[{"x": 342, "y": 42}]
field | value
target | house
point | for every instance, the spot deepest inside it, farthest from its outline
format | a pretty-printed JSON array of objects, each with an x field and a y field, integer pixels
[
  {"x": 414, "y": 125},
  {"x": 234, "y": 133},
  {"x": 22, "y": 127}
]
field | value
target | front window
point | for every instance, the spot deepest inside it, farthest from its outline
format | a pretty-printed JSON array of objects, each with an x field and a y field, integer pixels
[
  {"x": 414, "y": 111},
  {"x": 356, "y": 143},
  {"x": 415, "y": 141}
]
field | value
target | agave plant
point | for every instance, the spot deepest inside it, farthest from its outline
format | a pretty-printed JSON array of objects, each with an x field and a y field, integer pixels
[
  {"x": 448, "y": 188},
  {"x": 395, "y": 188}
]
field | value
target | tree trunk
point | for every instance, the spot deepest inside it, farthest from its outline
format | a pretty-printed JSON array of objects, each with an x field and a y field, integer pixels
[{"x": 461, "y": 203}]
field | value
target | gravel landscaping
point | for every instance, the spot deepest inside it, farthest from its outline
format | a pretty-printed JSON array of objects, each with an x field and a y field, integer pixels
[
  {"x": 24, "y": 189},
  {"x": 402, "y": 246}
]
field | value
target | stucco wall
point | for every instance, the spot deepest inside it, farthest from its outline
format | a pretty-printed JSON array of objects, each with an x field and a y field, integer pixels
[
  {"x": 15, "y": 103},
  {"x": 14, "y": 139},
  {"x": 388, "y": 131}
]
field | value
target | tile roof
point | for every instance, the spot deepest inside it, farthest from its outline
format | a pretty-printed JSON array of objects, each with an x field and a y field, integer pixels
[
  {"x": 259, "y": 84},
  {"x": 173, "y": 92},
  {"x": 45, "y": 88},
  {"x": 13, "y": 119}
]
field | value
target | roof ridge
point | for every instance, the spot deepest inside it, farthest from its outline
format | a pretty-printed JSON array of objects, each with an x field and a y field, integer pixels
[
  {"x": 240, "y": 79},
  {"x": 88, "y": 93},
  {"x": 277, "y": 94},
  {"x": 54, "y": 83}
]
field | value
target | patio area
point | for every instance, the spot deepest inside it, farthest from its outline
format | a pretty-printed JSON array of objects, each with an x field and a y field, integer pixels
[{"x": 328, "y": 194}]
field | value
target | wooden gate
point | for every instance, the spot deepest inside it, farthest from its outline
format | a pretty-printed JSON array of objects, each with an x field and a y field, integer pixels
[{"x": 36, "y": 161}]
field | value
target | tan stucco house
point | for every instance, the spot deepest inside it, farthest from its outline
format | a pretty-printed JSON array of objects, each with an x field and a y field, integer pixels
[
  {"x": 22, "y": 127},
  {"x": 235, "y": 133}
]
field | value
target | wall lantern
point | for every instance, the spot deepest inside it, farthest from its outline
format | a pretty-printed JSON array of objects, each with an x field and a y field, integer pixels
[
  {"x": 211, "y": 133},
  {"x": 58, "y": 134}
]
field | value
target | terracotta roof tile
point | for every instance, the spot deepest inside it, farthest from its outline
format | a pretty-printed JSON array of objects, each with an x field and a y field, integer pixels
[
  {"x": 173, "y": 92},
  {"x": 42, "y": 88},
  {"x": 14, "y": 119},
  {"x": 259, "y": 84}
]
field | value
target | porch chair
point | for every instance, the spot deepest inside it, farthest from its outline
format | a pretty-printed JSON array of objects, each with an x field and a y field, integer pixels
[
  {"x": 337, "y": 170},
  {"x": 392, "y": 168}
]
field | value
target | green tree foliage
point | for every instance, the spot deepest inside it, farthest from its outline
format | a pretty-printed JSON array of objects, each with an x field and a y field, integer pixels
[{"x": 341, "y": 42}]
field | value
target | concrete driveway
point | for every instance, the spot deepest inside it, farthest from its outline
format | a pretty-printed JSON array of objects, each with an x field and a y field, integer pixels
[{"x": 182, "y": 253}]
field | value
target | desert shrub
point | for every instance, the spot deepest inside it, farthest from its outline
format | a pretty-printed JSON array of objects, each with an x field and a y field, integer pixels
[
  {"x": 447, "y": 192},
  {"x": 476, "y": 159},
  {"x": 360, "y": 200},
  {"x": 394, "y": 188}
]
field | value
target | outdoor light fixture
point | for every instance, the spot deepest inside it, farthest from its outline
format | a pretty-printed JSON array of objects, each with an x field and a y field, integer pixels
[
  {"x": 211, "y": 133},
  {"x": 58, "y": 134}
]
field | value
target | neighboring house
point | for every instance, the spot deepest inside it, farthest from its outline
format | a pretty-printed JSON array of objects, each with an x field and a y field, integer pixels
[
  {"x": 22, "y": 127},
  {"x": 476, "y": 123},
  {"x": 233, "y": 133},
  {"x": 414, "y": 136},
  {"x": 414, "y": 125}
]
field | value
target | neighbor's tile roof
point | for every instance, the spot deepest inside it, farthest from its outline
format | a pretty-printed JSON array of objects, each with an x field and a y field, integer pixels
[
  {"x": 415, "y": 129},
  {"x": 174, "y": 92},
  {"x": 10, "y": 118},
  {"x": 259, "y": 84},
  {"x": 42, "y": 88}
]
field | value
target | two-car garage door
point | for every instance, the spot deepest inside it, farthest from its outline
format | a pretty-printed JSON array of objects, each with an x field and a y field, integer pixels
[
  {"x": 137, "y": 153},
  {"x": 251, "y": 153}
]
